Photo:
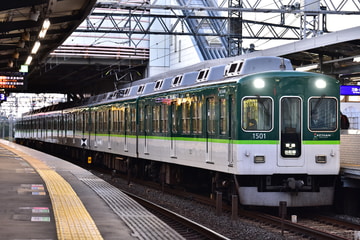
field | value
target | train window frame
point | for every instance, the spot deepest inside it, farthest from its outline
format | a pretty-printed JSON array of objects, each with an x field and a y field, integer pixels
[
  {"x": 140, "y": 89},
  {"x": 158, "y": 85},
  {"x": 177, "y": 81},
  {"x": 164, "y": 118},
  {"x": 126, "y": 92},
  {"x": 244, "y": 124},
  {"x": 186, "y": 117},
  {"x": 312, "y": 112},
  {"x": 156, "y": 111},
  {"x": 223, "y": 116},
  {"x": 197, "y": 115},
  {"x": 133, "y": 119},
  {"x": 291, "y": 131},
  {"x": 202, "y": 75},
  {"x": 211, "y": 115},
  {"x": 234, "y": 69}
]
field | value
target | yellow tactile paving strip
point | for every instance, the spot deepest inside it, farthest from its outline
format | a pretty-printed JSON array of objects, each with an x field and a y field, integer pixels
[{"x": 73, "y": 222}]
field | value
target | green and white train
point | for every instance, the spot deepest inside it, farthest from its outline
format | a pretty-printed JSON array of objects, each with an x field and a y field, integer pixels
[{"x": 252, "y": 127}]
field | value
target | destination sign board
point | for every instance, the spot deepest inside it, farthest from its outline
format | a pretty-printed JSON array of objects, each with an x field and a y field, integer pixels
[{"x": 12, "y": 81}]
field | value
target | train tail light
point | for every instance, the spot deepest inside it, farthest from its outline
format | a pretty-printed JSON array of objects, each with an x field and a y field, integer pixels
[
  {"x": 259, "y": 159},
  {"x": 320, "y": 159}
]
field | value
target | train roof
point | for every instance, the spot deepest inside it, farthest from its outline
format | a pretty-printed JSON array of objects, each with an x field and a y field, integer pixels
[{"x": 199, "y": 74}]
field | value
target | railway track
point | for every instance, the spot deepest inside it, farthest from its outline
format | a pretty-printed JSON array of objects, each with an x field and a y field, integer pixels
[
  {"x": 307, "y": 227},
  {"x": 187, "y": 228}
]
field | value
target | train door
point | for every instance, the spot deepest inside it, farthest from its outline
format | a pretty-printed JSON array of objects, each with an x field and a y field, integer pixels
[
  {"x": 290, "y": 154},
  {"x": 210, "y": 128},
  {"x": 173, "y": 129}
]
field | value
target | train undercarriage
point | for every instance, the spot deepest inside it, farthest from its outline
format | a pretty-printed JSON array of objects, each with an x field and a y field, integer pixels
[{"x": 199, "y": 181}]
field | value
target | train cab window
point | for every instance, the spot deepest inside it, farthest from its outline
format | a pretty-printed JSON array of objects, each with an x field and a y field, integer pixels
[
  {"x": 322, "y": 114},
  {"x": 290, "y": 125},
  {"x": 257, "y": 114}
]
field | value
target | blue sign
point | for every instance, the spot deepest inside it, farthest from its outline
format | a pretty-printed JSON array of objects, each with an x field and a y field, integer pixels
[
  {"x": 349, "y": 90},
  {"x": 2, "y": 97}
]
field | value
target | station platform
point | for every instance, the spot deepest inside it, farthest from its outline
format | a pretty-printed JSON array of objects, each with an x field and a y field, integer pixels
[
  {"x": 350, "y": 158},
  {"x": 46, "y": 198}
]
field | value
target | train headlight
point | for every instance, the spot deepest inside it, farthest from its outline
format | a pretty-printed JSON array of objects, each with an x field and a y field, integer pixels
[
  {"x": 259, "y": 83},
  {"x": 320, "y": 159},
  {"x": 320, "y": 83},
  {"x": 259, "y": 159}
]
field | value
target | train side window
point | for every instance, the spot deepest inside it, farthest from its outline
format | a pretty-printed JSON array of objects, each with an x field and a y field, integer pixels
[
  {"x": 257, "y": 113},
  {"x": 109, "y": 121},
  {"x": 133, "y": 119},
  {"x": 323, "y": 114},
  {"x": 141, "y": 119},
  {"x": 100, "y": 121},
  {"x": 156, "y": 118},
  {"x": 122, "y": 120},
  {"x": 210, "y": 109},
  {"x": 186, "y": 117},
  {"x": 164, "y": 118},
  {"x": 197, "y": 116},
  {"x": 174, "y": 114},
  {"x": 223, "y": 116},
  {"x": 106, "y": 121},
  {"x": 147, "y": 118},
  {"x": 93, "y": 121},
  {"x": 127, "y": 120}
]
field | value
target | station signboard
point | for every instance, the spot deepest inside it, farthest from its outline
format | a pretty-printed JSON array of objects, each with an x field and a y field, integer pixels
[
  {"x": 12, "y": 81},
  {"x": 349, "y": 90}
]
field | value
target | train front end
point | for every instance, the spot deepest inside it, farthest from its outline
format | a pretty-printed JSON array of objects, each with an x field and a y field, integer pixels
[{"x": 289, "y": 139}]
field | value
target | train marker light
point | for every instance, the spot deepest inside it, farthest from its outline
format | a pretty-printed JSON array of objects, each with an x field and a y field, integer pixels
[
  {"x": 259, "y": 83},
  {"x": 259, "y": 159},
  {"x": 320, "y": 83}
]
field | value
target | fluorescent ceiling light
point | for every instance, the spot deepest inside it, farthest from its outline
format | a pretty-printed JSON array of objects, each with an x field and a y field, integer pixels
[
  {"x": 28, "y": 60},
  {"x": 46, "y": 24},
  {"x": 306, "y": 68},
  {"x": 45, "y": 27},
  {"x": 35, "y": 47},
  {"x": 356, "y": 59}
]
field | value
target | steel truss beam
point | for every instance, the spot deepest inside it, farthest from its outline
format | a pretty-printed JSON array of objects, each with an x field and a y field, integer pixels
[
  {"x": 139, "y": 19},
  {"x": 142, "y": 24},
  {"x": 225, "y": 21}
]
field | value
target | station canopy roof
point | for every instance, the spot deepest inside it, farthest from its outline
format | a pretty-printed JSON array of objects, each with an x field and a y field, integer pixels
[
  {"x": 334, "y": 53},
  {"x": 21, "y": 24}
]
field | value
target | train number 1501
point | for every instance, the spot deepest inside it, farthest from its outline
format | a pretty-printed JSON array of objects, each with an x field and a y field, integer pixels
[{"x": 259, "y": 136}]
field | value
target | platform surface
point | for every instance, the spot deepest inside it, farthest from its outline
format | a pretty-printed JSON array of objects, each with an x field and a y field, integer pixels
[{"x": 46, "y": 198}]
